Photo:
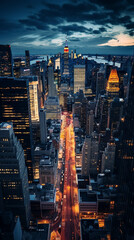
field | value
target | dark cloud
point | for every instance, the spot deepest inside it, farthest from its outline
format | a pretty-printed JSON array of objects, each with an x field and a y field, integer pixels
[
  {"x": 55, "y": 14},
  {"x": 30, "y": 6},
  {"x": 102, "y": 29},
  {"x": 130, "y": 25},
  {"x": 69, "y": 29},
  {"x": 6, "y": 25},
  {"x": 47, "y": 19},
  {"x": 31, "y": 22}
]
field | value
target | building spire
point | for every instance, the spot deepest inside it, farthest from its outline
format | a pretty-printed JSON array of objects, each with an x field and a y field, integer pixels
[{"x": 66, "y": 42}]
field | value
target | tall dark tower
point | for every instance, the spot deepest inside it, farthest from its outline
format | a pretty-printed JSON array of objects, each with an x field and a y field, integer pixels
[
  {"x": 15, "y": 108},
  {"x": 27, "y": 58},
  {"x": 125, "y": 204},
  {"x": 6, "y": 61},
  {"x": 66, "y": 59},
  {"x": 13, "y": 175}
]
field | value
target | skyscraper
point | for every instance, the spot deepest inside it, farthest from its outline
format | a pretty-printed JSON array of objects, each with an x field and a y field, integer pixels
[
  {"x": 51, "y": 85},
  {"x": 34, "y": 98},
  {"x": 72, "y": 54},
  {"x": 43, "y": 126},
  {"x": 100, "y": 84},
  {"x": 17, "y": 67},
  {"x": 6, "y": 61},
  {"x": 27, "y": 58},
  {"x": 79, "y": 78},
  {"x": 66, "y": 59},
  {"x": 89, "y": 122},
  {"x": 57, "y": 63},
  {"x": 125, "y": 204},
  {"x": 15, "y": 108},
  {"x": 90, "y": 152},
  {"x": 113, "y": 85},
  {"x": 13, "y": 175}
]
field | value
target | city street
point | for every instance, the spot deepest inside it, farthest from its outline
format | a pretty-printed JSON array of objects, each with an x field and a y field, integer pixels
[
  {"x": 69, "y": 216},
  {"x": 70, "y": 208}
]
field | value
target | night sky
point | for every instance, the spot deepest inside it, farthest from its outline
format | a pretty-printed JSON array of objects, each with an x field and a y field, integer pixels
[{"x": 95, "y": 26}]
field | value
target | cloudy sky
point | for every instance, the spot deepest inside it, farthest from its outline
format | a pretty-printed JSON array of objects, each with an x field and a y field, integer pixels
[{"x": 91, "y": 26}]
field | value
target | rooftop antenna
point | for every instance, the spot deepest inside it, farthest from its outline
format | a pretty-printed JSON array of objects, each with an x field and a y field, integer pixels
[{"x": 66, "y": 39}]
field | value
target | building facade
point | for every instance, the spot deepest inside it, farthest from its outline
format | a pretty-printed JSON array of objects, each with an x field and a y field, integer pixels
[{"x": 13, "y": 175}]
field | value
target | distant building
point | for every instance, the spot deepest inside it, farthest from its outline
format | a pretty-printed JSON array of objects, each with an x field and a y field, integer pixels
[
  {"x": 79, "y": 78},
  {"x": 57, "y": 63},
  {"x": 17, "y": 67},
  {"x": 6, "y": 69},
  {"x": 66, "y": 60},
  {"x": 100, "y": 84},
  {"x": 13, "y": 175},
  {"x": 27, "y": 58},
  {"x": 75, "y": 55},
  {"x": 72, "y": 54},
  {"x": 112, "y": 87}
]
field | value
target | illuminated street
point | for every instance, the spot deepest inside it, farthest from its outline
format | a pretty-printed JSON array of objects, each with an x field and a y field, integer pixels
[{"x": 70, "y": 208}]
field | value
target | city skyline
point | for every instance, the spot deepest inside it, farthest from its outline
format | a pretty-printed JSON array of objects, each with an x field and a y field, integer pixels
[{"x": 91, "y": 26}]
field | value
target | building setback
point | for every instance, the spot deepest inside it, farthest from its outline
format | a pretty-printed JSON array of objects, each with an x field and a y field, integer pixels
[{"x": 13, "y": 175}]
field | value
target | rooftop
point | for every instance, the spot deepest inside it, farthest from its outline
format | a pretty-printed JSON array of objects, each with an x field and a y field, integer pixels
[
  {"x": 87, "y": 196},
  {"x": 42, "y": 193}
]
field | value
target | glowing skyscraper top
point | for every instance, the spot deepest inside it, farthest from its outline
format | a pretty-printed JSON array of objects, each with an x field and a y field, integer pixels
[
  {"x": 113, "y": 84},
  {"x": 66, "y": 59}
]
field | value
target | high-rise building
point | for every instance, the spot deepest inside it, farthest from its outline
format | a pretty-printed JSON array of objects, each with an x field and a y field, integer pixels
[
  {"x": 6, "y": 61},
  {"x": 51, "y": 86},
  {"x": 13, "y": 175},
  {"x": 10, "y": 226},
  {"x": 52, "y": 108},
  {"x": 17, "y": 67},
  {"x": 34, "y": 98},
  {"x": 89, "y": 122},
  {"x": 75, "y": 55},
  {"x": 72, "y": 54},
  {"x": 43, "y": 126},
  {"x": 113, "y": 85},
  {"x": 108, "y": 157},
  {"x": 115, "y": 113},
  {"x": 57, "y": 63},
  {"x": 125, "y": 203},
  {"x": 90, "y": 152},
  {"x": 100, "y": 84},
  {"x": 15, "y": 108},
  {"x": 103, "y": 114},
  {"x": 79, "y": 78},
  {"x": 66, "y": 59},
  {"x": 27, "y": 58}
]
